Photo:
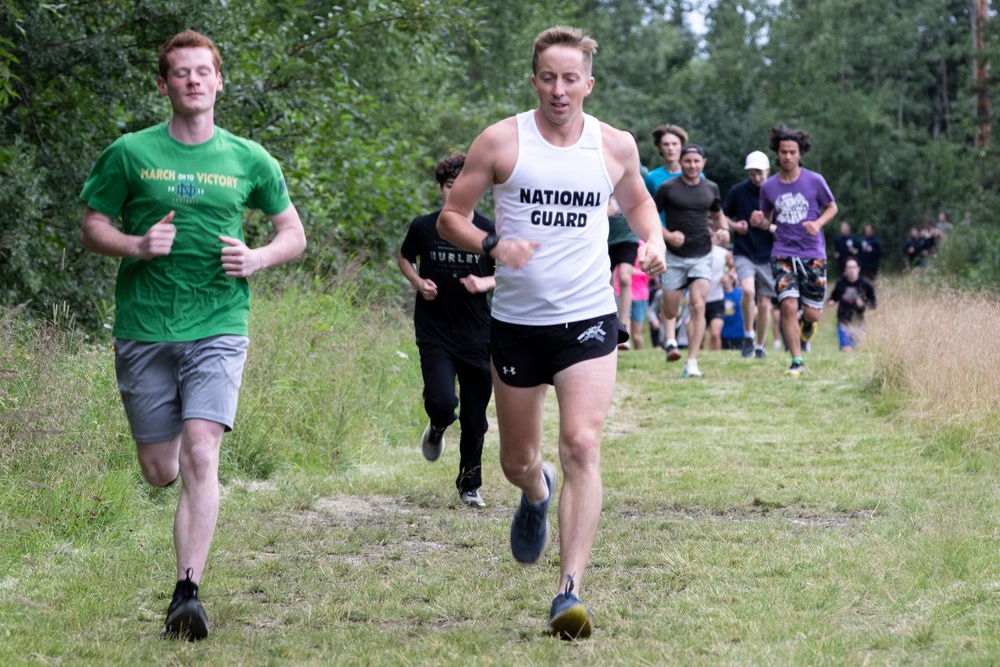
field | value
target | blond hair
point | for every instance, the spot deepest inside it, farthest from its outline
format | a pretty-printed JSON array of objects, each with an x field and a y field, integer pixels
[{"x": 561, "y": 35}]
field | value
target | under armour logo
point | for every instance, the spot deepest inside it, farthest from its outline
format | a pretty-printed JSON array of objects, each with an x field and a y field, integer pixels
[{"x": 509, "y": 370}]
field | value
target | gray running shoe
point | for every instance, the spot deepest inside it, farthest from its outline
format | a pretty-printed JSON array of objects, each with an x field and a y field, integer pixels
[
  {"x": 432, "y": 444},
  {"x": 569, "y": 618},
  {"x": 529, "y": 531},
  {"x": 747, "y": 349},
  {"x": 759, "y": 353}
]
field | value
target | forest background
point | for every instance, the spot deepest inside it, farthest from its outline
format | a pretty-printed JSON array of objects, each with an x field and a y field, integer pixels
[{"x": 358, "y": 100}]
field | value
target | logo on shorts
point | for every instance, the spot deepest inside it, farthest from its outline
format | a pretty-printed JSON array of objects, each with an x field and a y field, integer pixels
[
  {"x": 593, "y": 332},
  {"x": 509, "y": 370}
]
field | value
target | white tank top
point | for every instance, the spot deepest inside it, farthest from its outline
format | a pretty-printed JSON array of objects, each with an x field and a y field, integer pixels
[{"x": 557, "y": 196}]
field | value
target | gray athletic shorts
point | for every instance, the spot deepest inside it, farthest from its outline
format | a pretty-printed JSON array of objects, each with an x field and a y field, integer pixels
[
  {"x": 162, "y": 384},
  {"x": 763, "y": 279},
  {"x": 681, "y": 271}
]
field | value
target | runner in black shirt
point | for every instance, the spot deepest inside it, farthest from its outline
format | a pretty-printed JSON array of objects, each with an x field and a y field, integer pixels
[{"x": 451, "y": 319}]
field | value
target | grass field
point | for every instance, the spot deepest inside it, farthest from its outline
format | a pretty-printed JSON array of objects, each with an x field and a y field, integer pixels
[{"x": 749, "y": 519}]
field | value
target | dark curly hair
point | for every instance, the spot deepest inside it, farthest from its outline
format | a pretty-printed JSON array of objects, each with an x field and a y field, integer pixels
[
  {"x": 785, "y": 133},
  {"x": 449, "y": 168}
]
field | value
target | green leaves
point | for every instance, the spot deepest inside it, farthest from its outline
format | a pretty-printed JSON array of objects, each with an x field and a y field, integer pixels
[{"x": 360, "y": 98}]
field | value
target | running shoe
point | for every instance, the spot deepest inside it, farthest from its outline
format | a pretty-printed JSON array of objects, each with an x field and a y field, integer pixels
[
  {"x": 529, "y": 531},
  {"x": 759, "y": 353},
  {"x": 690, "y": 373},
  {"x": 186, "y": 618},
  {"x": 473, "y": 499},
  {"x": 569, "y": 618},
  {"x": 796, "y": 369},
  {"x": 807, "y": 330},
  {"x": 747, "y": 349},
  {"x": 432, "y": 443},
  {"x": 673, "y": 354}
]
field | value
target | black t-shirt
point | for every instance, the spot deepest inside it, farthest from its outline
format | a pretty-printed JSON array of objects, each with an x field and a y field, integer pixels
[
  {"x": 455, "y": 317},
  {"x": 756, "y": 244},
  {"x": 846, "y": 294},
  {"x": 687, "y": 208}
]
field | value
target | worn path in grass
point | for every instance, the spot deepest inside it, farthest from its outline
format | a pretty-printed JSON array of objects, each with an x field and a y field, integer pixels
[{"x": 749, "y": 519}]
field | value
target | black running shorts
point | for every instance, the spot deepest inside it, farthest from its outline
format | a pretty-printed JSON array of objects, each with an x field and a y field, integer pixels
[{"x": 527, "y": 356}]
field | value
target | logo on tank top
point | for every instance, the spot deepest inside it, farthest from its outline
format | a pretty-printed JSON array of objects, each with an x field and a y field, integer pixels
[{"x": 564, "y": 198}]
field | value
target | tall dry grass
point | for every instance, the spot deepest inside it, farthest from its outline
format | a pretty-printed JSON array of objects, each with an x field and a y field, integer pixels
[{"x": 935, "y": 356}]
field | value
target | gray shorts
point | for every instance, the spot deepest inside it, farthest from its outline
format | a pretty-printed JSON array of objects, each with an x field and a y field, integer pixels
[
  {"x": 681, "y": 271},
  {"x": 763, "y": 279},
  {"x": 162, "y": 384}
]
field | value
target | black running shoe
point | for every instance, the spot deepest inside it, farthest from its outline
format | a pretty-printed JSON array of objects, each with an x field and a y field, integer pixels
[
  {"x": 673, "y": 354},
  {"x": 808, "y": 330},
  {"x": 186, "y": 619},
  {"x": 529, "y": 531},
  {"x": 432, "y": 444},
  {"x": 747, "y": 349}
]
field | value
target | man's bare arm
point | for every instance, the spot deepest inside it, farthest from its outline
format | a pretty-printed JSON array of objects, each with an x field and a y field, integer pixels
[
  {"x": 289, "y": 241},
  {"x": 634, "y": 200},
  {"x": 99, "y": 234}
]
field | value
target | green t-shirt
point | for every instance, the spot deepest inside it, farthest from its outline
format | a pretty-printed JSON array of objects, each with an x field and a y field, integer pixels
[
  {"x": 144, "y": 175},
  {"x": 619, "y": 231}
]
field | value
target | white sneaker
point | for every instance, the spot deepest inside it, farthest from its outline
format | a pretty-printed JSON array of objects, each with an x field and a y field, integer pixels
[
  {"x": 473, "y": 499},
  {"x": 691, "y": 371}
]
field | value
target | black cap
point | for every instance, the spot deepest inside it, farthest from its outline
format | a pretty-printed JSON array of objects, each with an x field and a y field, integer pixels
[{"x": 692, "y": 148}]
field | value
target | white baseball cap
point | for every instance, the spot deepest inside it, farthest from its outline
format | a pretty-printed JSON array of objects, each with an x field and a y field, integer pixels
[{"x": 757, "y": 160}]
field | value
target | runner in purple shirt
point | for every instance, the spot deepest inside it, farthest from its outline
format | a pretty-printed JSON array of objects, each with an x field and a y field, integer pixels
[{"x": 799, "y": 202}]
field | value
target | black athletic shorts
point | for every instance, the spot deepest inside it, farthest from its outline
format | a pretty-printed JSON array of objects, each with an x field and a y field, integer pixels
[
  {"x": 623, "y": 253},
  {"x": 527, "y": 356},
  {"x": 715, "y": 310}
]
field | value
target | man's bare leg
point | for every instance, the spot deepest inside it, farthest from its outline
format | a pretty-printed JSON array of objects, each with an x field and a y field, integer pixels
[
  {"x": 584, "y": 391},
  {"x": 790, "y": 325},
  {"x": 194, "y": 456},
  {"x": 198, "y": 506},
  {"x": 625, "y": 293},
  {"x": 748, "y": 307},
  {"x": 697, "y": 293},
  {"x": 669, "y": 309},
  {"x": 763, "y": 317},
  {"x": 519, "y": 421}
]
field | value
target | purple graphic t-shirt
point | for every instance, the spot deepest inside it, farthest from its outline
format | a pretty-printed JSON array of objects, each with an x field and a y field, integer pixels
[{"x": 793, "y": 204}]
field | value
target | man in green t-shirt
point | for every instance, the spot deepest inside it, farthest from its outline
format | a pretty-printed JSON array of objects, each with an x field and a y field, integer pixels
[{"x": 182, "y": 297}]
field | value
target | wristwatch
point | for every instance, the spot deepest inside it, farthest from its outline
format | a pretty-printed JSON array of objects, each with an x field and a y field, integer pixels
[{"x": 490, "y": 241}]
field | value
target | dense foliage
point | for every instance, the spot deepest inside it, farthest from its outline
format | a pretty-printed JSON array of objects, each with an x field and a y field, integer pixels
[{"x": 359, "y": 99}]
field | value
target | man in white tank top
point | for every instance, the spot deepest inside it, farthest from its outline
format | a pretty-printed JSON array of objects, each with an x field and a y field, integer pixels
[{"x": 554, "y": 314}]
